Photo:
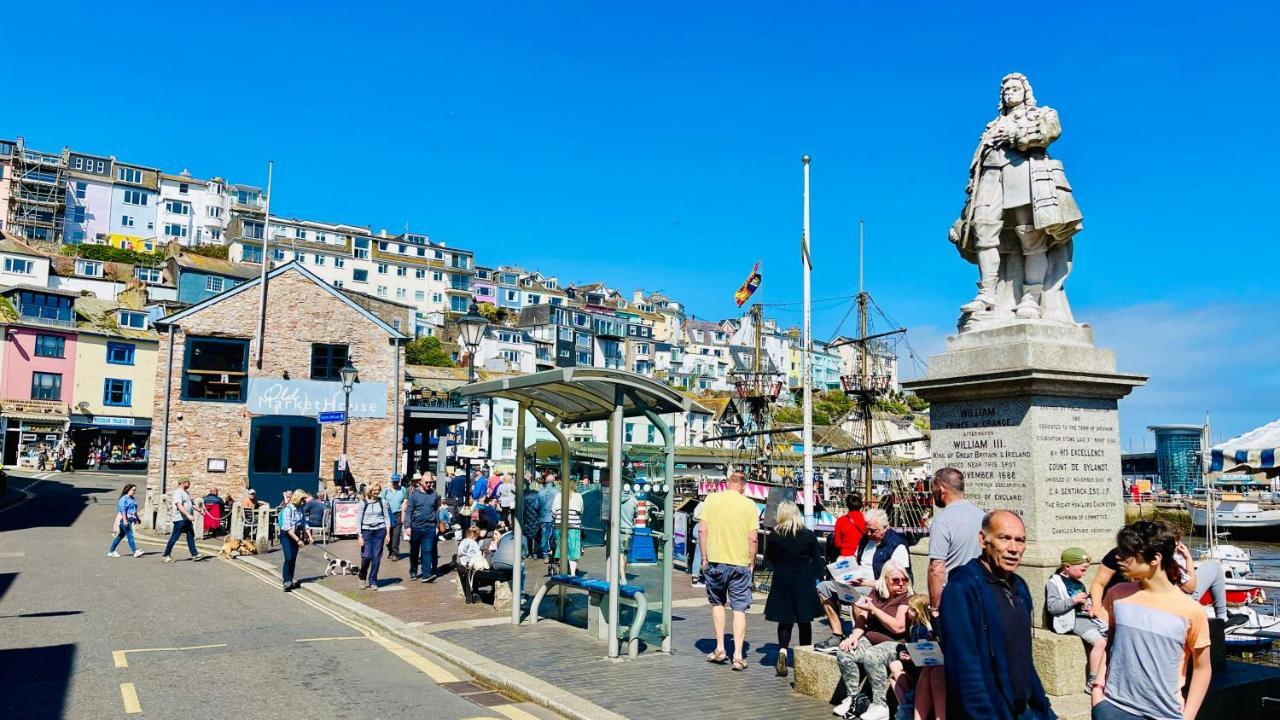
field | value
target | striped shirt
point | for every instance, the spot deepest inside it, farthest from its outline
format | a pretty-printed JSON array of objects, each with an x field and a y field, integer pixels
[
  {"x": 1152, "y": 637},
  {"x": 575, "y": 510},
  {"x": 374, "y": 514}
]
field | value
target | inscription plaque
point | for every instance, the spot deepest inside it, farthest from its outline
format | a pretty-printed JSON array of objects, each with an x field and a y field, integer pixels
[{"x": 1055, "y": 461}]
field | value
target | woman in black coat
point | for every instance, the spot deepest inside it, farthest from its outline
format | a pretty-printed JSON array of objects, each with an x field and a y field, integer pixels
[{"x": 793, "y": 597}]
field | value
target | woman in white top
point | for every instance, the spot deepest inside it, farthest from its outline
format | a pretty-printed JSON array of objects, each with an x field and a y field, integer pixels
[{"x": 575, "y": 527}]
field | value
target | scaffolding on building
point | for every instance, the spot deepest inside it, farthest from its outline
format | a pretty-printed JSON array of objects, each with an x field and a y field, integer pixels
[{"x": 38, "y": 194}]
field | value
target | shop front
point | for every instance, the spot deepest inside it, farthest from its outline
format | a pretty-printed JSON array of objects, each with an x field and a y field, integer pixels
[
  {"x": 28, "y": 425},
  {"x": 114, "y": 442}
]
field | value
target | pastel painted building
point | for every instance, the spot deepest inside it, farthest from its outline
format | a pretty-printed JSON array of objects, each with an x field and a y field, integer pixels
[
  {"x": 37, "y": 369},
  {"x": 509, "y": 293},
  {"x": 198, "y": 278},
  {"x": 483, "y": 287},
  {"x": 826, "y": 368},
  {"x": 114, "y": 381},
  {"x": 88, "y": 213},
  {"x": 134, "y": 207}
]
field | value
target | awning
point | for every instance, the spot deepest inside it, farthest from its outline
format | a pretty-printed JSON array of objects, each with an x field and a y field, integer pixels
[{"x": 1255, "y": 451}]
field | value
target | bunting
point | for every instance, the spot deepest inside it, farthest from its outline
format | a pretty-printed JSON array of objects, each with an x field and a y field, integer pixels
[{"x": 749, "y": 287}]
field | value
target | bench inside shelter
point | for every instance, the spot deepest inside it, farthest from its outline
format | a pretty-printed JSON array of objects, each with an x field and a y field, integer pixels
[{"x": 597, "y": 618}]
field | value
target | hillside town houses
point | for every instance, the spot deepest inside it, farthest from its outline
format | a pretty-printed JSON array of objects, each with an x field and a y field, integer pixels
[{"x": 83, "y": 335}]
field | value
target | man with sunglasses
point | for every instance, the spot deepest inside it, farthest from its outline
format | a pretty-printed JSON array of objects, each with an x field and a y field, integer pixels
[{"x": 423, "y": 512}]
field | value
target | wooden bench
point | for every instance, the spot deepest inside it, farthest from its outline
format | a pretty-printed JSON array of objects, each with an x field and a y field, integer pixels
[{"x": 597, "y": 610}]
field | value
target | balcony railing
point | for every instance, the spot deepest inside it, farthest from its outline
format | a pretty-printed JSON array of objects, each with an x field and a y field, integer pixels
[
  {"x": 46, "y": 315},
  {"x": 434, "y": 399}
]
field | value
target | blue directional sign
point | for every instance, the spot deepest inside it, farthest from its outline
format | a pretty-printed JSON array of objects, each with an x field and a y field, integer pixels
[{"x": 332, "y": 417}]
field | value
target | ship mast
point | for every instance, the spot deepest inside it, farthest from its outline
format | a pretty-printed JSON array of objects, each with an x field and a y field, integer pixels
[{"x": 865, "y": 387}]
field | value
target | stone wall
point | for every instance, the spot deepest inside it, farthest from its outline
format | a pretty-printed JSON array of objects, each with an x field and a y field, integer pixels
[{"x": 299, "y": 313}]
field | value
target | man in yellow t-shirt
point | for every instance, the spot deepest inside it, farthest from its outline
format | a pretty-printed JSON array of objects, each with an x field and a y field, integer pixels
[{"x": 728, "y": 540}]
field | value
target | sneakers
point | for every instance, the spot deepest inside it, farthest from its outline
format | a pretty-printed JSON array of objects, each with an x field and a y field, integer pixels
[
  {"x": 166, "y": 558},
  {"x": 879, "y": 711},
  {"x": 138, "y": 553},
  {"x": 830, "y": 645},
  {"x": 198, "y": 557},
  {"x": 843, "y": 708},
  {"x": 113, "y": 553},
  {"x": 697, "y": 582}
]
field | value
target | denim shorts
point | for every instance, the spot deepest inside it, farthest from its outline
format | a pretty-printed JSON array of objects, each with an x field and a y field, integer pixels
[{"x": 728, "y": 584}]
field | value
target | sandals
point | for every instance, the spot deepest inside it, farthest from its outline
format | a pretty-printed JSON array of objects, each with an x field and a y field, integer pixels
[
  {"x": 718, "y": 657},
  {"x": 740, "y": 665}
]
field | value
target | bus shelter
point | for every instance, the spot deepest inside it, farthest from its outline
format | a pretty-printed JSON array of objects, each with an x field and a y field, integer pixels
[{"x": 565, "y": 396}]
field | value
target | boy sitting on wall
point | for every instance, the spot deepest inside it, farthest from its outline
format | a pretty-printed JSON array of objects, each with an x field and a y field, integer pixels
[{"x": 1070, "y": 609}]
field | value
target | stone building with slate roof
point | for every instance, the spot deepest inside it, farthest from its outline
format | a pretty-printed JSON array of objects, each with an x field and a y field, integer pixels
[{"x": 237, "y": 424}]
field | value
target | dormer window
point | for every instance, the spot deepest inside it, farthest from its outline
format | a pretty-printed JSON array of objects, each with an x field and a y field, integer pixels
[
  {"x": 132, "y": 319},
  {"x": 90, "y": 268}
]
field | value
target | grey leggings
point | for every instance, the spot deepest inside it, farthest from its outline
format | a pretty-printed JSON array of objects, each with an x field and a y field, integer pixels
[{"x": 1209, "y": 578}]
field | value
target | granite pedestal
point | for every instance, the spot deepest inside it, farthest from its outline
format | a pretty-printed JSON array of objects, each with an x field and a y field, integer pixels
[{"x": 1027, "y": 411}]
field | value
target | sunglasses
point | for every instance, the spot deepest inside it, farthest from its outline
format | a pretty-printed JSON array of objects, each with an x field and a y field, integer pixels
[{"x": 898, "y": 580}]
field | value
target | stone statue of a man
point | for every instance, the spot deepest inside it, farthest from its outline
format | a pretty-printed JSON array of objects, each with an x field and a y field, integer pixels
[{"x": 1020, "y": 216}]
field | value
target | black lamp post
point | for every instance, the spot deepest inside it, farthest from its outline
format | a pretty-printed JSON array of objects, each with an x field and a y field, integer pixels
[
  {"x": 348, "y": 375},
  {"x": 471, "y": 329}
]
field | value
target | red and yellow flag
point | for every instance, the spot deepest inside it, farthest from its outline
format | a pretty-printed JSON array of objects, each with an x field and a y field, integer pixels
[{"x": 749, "y": 287}]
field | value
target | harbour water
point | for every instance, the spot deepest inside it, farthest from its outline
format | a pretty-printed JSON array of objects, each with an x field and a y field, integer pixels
[{"x": 1266, "y": 566}]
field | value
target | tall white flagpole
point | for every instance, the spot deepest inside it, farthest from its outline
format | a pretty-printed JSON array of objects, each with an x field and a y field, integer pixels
[
  {"x": 807, "y": 359},
  {"x": 262, "y": 284}
]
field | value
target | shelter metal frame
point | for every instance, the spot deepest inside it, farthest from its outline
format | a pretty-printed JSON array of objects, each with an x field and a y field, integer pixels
[{"x": 575, "y": 395}]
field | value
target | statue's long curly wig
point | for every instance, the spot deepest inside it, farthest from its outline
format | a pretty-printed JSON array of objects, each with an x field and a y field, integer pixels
[{"x": 1029, "y": 95}]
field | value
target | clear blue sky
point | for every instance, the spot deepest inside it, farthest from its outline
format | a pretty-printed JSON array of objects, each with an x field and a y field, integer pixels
[{"x": 659, "y": 146}]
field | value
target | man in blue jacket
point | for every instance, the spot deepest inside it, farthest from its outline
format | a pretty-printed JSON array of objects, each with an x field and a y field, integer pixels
[{"x": 986, "y": 631}]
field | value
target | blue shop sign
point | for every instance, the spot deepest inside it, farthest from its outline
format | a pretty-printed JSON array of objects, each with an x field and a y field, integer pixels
[{"x": 309, "y": 398}]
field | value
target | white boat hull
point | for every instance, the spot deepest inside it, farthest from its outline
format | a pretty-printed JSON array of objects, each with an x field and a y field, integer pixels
[{"x": 1237, "y": 518}]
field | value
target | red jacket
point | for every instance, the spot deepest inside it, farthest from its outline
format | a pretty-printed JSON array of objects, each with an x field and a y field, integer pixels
[{"x": 850, "y": 528}]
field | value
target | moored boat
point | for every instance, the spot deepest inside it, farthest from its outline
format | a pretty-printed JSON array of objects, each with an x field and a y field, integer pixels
[{"x": 1239, "y": 514}]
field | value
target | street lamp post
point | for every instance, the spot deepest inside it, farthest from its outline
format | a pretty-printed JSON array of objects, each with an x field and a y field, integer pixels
[
  {"x": 348, "y": 374},
  {"x": 471, "y": 329}
]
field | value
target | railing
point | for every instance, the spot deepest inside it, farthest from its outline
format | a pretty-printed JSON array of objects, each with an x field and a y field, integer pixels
[
  {"x": 449, "y": 401},
  {"x": 44, "y": 315}
]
